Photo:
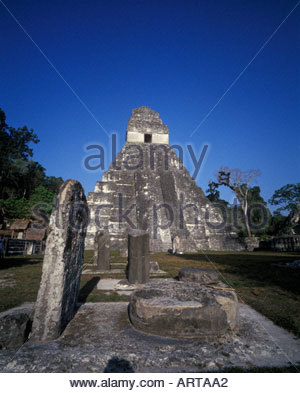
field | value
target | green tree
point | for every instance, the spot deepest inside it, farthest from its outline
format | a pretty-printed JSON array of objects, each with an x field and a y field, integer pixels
[
  {"x": 259, "y": 214},
  {"x": 43, "y": 200},
  {"x": 23, "y": 183},
  {"x": 212, "y": 193},
  {"x": 15, "y": 208},
  {"x": 53, "y": 183},
  {"x": 29, "y": 175},
  {"x": 14, "y": 146},
  {"x": 286, "y": 198},
  {"x": 277, "y": 225}
]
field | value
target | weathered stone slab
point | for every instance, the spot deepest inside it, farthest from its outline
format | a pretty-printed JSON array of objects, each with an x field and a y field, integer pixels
[
  {"x": 102, "y": 250},
  {"x": 125, "y": 285},
  {"x": 97, "y": 272},
  {"x": 138, "y": 257},
  {"x": 201, "y": 276},
  {"x": 107, "y": 284},
  {"x": 15, "y": 325},
  {"x": 111, "y": 284},
  {"x": 184, "y": 310},
  {"x": 62, "y": 264}
]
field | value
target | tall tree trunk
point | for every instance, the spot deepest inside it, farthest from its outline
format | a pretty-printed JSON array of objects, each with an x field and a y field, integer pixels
[
  {"x": 245, "y": 210},
  {"x": 244, "y": 205}
]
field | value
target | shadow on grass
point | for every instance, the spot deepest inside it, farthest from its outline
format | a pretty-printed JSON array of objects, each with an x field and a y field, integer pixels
[
  {"x": 258, "y": 267},
  {"x": 87, "y": 289},
  {"x": 9, "y": 262}
]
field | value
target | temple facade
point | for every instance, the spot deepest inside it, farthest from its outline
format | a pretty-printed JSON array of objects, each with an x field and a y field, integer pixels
[
  {"x": 145, "y": 126},
  {"x": 147, "y": 187}
]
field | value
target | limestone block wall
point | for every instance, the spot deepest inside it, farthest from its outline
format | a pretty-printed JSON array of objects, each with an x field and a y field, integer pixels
[
  {"x": 138, "y": 137},
  {"x": 135, "y": 137},
  {"x": 160, "y": 138},
  {"x": 282, "y": 243}
]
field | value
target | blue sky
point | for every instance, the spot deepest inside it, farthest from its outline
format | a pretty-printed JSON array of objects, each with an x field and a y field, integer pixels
[{"x": 178, "y": 57}]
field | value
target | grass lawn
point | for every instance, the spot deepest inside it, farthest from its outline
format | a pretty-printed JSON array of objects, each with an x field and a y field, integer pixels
[{"x": 271, "y": 290}]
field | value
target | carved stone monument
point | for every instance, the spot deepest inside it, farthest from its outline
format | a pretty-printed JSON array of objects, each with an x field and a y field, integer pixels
[
  {"x": 62, "y": 264},
  {"x": 138, "y": 257},
  {"x": 102, "y": 250}
]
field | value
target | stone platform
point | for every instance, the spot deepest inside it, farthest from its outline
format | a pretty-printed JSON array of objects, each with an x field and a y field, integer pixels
[
  {"x": 100, "y": 338},
  {"x": 155, "y": 271},
  {"x": 122, "y": 271}
]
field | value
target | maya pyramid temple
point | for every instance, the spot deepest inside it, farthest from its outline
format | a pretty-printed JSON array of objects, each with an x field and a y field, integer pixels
[{"x": 147, "y": 187}]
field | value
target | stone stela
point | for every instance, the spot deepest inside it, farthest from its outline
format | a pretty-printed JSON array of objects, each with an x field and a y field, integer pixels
[
  {"x": 102, "y": 250},
  {"x": 138, "y": 257},
  {"x": 62, "y": 265}
]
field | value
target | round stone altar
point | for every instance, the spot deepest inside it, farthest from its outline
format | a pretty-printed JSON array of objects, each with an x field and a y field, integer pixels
[{"x": 184, "y": 310}]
